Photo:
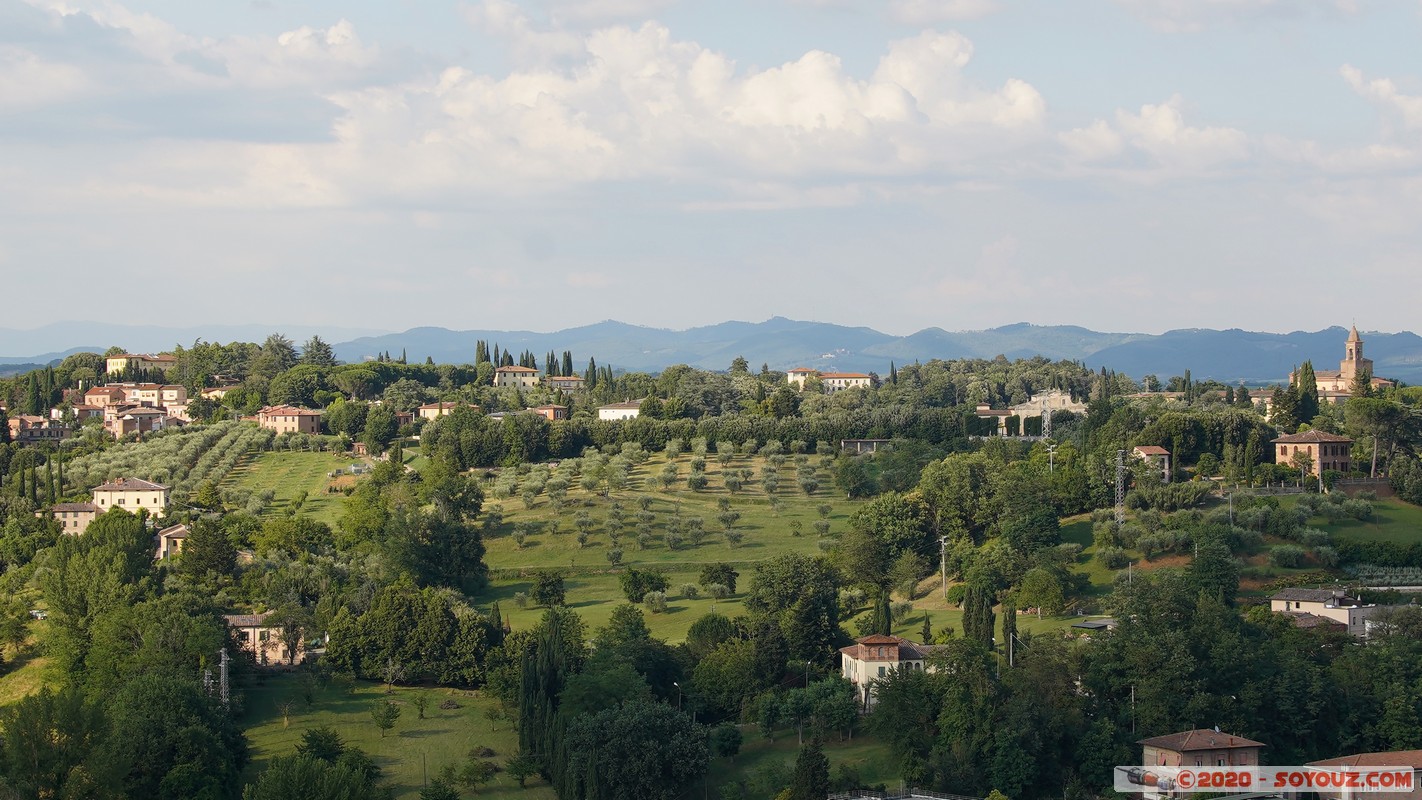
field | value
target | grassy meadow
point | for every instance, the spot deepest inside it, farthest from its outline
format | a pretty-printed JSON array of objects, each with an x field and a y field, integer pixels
[{"x": 288, "y": 473}]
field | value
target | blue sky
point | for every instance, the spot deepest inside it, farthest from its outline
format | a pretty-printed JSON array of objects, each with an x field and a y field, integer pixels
[{"x": 1119, "y": 164}]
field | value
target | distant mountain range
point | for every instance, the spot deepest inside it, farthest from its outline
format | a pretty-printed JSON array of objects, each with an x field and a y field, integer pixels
[{"x": 1230, "y": 355}]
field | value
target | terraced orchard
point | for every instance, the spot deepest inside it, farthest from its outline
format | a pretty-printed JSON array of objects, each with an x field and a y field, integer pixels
[{"x": 182, "y": 459}]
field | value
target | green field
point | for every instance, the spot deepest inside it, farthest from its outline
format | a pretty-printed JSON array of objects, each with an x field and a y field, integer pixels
[
  {"x": 415, "y": 747},
  {"x": 289, "y": 473},
  {"x": 1393, "y": 521}
]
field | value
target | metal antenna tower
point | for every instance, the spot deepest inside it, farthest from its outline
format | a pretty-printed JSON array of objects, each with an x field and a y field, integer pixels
[
  {"x": 1046, "y": 421},
  {"x": 1120, "y": 489},
  {"x": 222, "y": 670}
]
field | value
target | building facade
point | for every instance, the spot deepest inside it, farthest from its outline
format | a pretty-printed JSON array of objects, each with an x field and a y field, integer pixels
[
  {"x": 132, "y": 494},
  {"x": 873, "y": 657},
  {"x": 1333, "y": 604},
  {"x": 616, "y": 411},
  {"x": 290, "y": 419},
  {"x": 263, "y": 641},
  {"x": 1321, "y": 451},
  {"x": 1337, "y": 385},
  {"x": 516, "y": 377}
]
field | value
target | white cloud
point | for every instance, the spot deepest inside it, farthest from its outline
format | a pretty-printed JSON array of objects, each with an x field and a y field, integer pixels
[
  {"x": 635, "y": 103},
  {"x": 1159, "y": 134},
  {"x": 1383, "y": 92}
]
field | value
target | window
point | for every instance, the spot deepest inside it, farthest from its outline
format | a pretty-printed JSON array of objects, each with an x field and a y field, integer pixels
[{"x": 881, "y": 671}]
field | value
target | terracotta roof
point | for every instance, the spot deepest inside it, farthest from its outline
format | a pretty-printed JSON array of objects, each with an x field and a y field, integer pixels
[
  {"x": 1313, "y": 437},
  {"x": 800, "y": 370},
  {"x": 74, "y": 507},
  {"x": 564, "y": 378},
  {"x": 1303, "y": 619},
  {"x": 440, "y": 406},
  {"x": 828, "y": 375},
  {"x": 179, "y": 531},
  {"x": 908, "y": 651},
  {"x": 246, "y": 620},
  {"x": 1395, "y": 758},
  {"x": 288, "y": 411},
  {"x": 515, "y": 369},
  {"x": 130, "y": 485},
  {"x": 620, "y": 406},
  {"x": 1199, "y": 739},
  {"x": 1152, "y": 450},
  {"x": 1315, "y": 596},
  {"x": 550, "y": 408}
]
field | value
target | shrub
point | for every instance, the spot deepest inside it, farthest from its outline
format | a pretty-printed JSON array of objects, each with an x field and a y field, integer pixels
[
  {"x": 1326, "y": 556},
  {"x": 718, "y": 591},
  {"x": 1113, "y": 557},
  {"x": 1288, "y": 556},
  {"x": 689, "y": 591}
]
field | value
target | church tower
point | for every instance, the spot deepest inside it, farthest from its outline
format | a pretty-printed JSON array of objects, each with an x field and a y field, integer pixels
[{"x": 1353, "y": 362}]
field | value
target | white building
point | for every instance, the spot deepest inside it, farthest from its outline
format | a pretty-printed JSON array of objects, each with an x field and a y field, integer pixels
[
  {"x": 873, "y": 657},
  {"x": 616, "y": 411}
]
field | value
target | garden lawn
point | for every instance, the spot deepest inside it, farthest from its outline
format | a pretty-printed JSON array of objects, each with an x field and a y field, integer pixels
[
  {"x": 409, "y": 751},
  {"x": 289, "y": 473}
]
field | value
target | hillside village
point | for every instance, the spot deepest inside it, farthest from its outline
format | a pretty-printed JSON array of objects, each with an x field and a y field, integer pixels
[{"x": 984, "y": 578}]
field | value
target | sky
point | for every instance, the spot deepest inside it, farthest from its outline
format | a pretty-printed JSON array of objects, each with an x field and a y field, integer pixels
[{"x": 1124, "y": 165}]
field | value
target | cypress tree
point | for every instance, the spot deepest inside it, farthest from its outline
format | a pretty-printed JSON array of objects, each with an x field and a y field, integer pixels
[
  {"x": 49, "y": 480},
  {"x": 1009, "y": 619},
  {"x": 893, "y": 373},
  {"x": 32, "y": 395},
  {"x": 34, "y": 485},
  {"x": 567, "y": 362},
  {"x": 811, "y": 778},
  {"x": 882, "y": 621}
]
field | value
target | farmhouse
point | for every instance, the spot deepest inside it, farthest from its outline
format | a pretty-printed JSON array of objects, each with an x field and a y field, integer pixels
[
  {"x": 263, "y": 641},
  {"x": 290, "y": 419},
  {"x": 1333, "y": 604},
  {"x": 872, "y": 657},
  {"x": 1316, "y": 450},
  {"x": 73, "y": 518},
  {"x": 132, "y": 494},
  {"x": 615, "y": 411},
  {"x": 117, "y": 364},
  {"x": 517, "y": 377}
]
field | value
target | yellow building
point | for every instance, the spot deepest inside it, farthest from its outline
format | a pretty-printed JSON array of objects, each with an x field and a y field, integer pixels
[{"x": 132, "y": 494}]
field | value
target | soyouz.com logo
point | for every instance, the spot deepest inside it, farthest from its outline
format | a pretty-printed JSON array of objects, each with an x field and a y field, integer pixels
[{"x": 1244, "y": 780}]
